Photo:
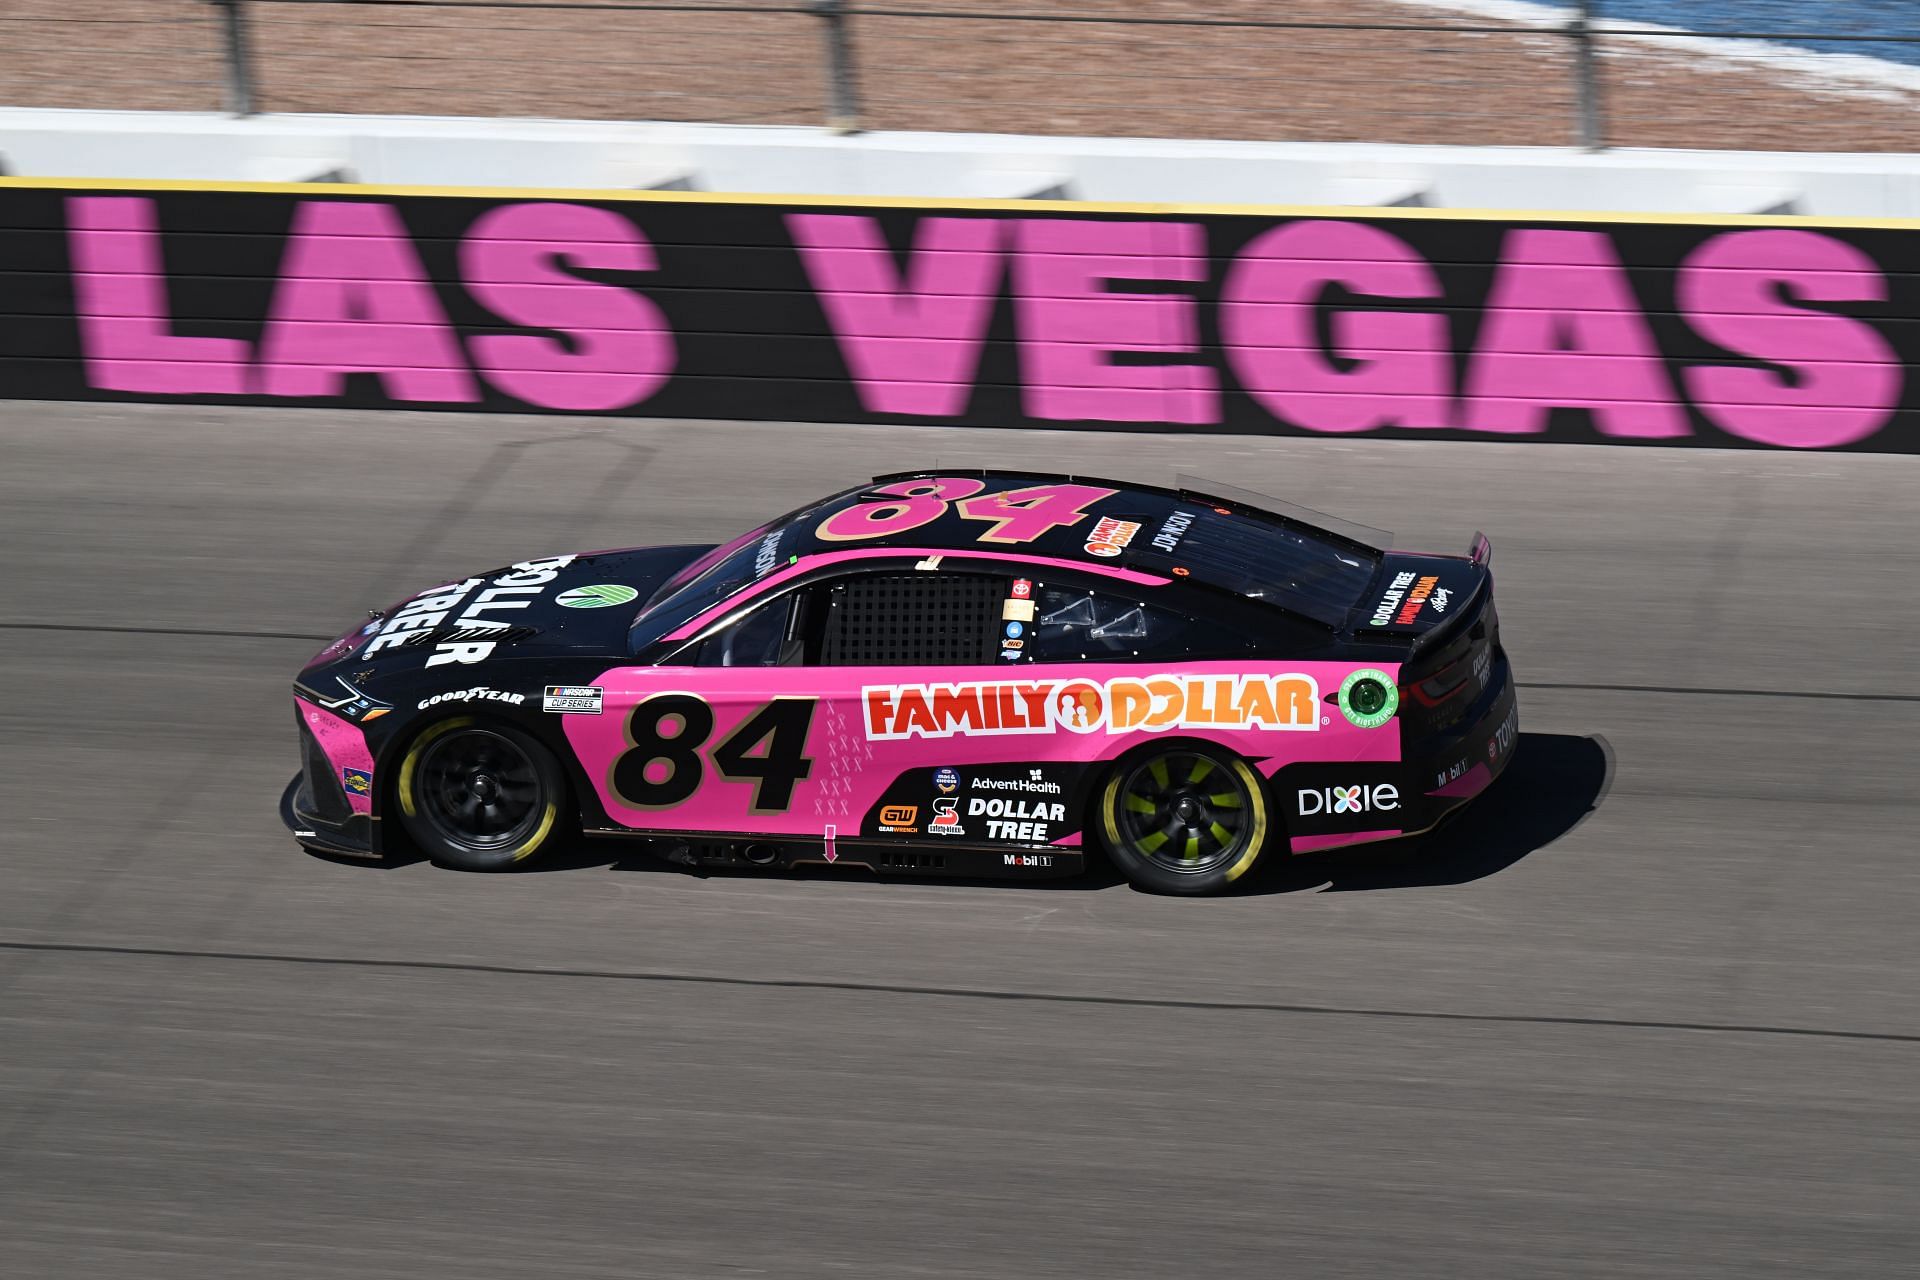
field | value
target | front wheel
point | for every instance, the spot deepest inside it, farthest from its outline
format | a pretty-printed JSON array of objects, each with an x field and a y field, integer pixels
[
  {"x": 480, "y": 796},
  {"x": 1185, "y": 818}
]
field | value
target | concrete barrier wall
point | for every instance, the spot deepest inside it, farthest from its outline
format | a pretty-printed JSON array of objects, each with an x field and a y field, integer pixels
[{"x": 1773, "y": 332}]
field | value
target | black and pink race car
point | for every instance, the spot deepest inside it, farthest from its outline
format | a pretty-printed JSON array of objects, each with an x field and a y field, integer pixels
[{"x": 943, "y": 673}]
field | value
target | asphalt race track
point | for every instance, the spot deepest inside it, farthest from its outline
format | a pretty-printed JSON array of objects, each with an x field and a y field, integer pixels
[{"x": 1653, "y": 1010}]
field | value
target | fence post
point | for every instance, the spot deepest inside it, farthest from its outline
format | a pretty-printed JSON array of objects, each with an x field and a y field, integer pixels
[
  {"x": 239, "y": 64},
  {"x": 1591, "y": 129},
  {"x": 843, "y": 86}
]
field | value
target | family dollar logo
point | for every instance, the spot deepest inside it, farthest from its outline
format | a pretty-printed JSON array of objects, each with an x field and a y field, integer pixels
[
  {"x": 1415, "y": 598},
  {"x": 1126, "y": 704},
  {"x": 1078, "y": 705}
]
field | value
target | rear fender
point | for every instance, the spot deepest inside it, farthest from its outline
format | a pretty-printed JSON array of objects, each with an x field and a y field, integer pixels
[{"x": 1274, "y": 827}]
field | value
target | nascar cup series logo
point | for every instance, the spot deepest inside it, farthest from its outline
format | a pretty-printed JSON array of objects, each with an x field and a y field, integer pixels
[{"x": 1122, "y": 705}]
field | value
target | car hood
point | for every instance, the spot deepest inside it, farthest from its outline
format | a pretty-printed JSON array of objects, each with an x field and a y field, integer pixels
[{"x": 578, "y": 604}]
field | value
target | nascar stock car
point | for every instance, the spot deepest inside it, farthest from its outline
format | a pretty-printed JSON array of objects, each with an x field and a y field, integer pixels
[{"x": 944, "y": 673}]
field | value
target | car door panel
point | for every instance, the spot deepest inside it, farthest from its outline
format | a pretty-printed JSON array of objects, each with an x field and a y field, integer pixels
[{"x": 793, "y": 750}]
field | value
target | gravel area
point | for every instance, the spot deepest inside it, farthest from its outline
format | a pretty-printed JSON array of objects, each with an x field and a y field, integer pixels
[{"x": 765, "y": 65}]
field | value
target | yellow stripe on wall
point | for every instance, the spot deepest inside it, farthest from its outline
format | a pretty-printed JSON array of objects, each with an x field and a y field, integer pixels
[{"x": 1162, "y": 210}]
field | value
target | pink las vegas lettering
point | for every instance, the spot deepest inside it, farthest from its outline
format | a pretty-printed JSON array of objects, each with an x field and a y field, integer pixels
[{"x": 1324, "y": 325}]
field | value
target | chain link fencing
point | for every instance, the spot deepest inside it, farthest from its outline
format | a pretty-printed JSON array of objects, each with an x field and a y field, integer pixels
[{"x": 1313, "y": 70}]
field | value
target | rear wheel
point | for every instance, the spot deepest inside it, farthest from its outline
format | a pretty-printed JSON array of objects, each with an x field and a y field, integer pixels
[
  {"x": 480, "y": 796},
  {"x": 1185, "y": 818}
]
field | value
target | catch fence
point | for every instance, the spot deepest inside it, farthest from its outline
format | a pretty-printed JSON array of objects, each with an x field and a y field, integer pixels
[{"x": 1325, "y": 70}]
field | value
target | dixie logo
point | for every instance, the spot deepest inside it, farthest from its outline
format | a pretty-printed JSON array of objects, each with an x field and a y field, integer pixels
[{"x": 1380, "y": 798}]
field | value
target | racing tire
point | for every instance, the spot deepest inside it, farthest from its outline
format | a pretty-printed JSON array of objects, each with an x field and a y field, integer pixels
[
  {"x": 1185, "y": 818},
  {"x": 480, "y": 795}
]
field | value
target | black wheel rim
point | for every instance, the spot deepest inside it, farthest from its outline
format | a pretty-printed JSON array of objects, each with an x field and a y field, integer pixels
[
  {"x": 480, "y": 789},
  {"x": 1185, "y": 812}
]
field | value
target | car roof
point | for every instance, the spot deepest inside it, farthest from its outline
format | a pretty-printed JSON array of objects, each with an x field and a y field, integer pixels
[
  {"x": 1136, "y": 532},
  {"x": 1108, "y": 506}
]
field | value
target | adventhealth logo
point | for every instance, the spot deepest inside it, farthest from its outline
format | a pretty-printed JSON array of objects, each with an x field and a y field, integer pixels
[{"x": 1380, "y": 798}]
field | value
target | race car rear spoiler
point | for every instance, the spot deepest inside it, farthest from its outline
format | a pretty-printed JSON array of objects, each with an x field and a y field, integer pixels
[{"x": 1479, "y": 555}]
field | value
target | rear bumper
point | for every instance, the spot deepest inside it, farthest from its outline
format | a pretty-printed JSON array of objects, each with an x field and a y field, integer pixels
[
  {"x": 351, "y": 838},
  {"x": 1447, "y": 770},
  {"x": 1438, "y": 774}
]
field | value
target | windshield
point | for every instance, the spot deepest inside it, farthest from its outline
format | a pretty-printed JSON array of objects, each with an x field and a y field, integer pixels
[
  {"x": 1263, "y": 560},
  {"x": 704, "y": 563},
  {"x": 707, "y": 581}
]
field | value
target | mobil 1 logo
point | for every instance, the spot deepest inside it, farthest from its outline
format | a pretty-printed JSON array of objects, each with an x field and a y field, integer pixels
[{"x": 1332, "y": 799}]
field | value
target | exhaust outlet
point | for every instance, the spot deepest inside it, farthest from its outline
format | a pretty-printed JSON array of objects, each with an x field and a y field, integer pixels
[{"x": 761, "y": 855}]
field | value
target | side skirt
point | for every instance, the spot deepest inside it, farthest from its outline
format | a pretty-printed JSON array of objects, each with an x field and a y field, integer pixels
[{"x": 891, "y": 857}]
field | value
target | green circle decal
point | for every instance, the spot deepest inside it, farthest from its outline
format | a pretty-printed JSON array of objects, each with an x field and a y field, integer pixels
[
  {"x": 1368, "y": 698},
  {"x": 598, "y": 596}
]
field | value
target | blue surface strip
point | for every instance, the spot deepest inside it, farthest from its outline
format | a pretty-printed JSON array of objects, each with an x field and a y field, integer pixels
[{"x": 1801, "y": 20}]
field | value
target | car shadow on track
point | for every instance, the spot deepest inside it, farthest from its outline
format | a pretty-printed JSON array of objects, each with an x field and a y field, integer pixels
[{"x": 1554, "y": 782}]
